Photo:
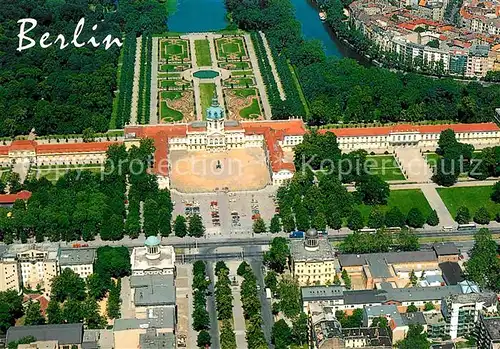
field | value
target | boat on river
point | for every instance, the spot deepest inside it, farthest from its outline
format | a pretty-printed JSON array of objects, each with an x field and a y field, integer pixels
[{"x": 322, "y": 16}]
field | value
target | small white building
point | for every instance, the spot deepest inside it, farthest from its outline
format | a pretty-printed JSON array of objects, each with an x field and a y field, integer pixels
[
  {"x": 81, "y": 261},
  {"x": 153, "y": 259}
]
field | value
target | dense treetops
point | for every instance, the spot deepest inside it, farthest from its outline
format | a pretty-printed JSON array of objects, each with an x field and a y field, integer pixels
[
  {"x": 342, "y": 90},
  {"x": 65, "y": 91}
]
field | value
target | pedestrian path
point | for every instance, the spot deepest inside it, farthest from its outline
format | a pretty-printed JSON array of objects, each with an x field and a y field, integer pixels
[
  {"x": 432, "y": 196},
  {"x": 153, "y": 113},
  {"x": 273, "y": 66},
  {"x": 413, "y": 164},
  {"x": 239, "y": 319},
  {"x": 135, "y": 86}
]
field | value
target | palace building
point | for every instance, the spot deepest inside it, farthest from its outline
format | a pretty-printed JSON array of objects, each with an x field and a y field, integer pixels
[{"x": 218, "y": 135}]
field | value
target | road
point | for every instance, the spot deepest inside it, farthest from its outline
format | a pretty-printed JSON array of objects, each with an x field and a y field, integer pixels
[
  {"x": 266, "y": 310},
  {"x": 212, "y": 310}
]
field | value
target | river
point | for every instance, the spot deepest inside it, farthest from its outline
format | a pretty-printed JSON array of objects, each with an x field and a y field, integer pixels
[{"x": 210, "y": 15}]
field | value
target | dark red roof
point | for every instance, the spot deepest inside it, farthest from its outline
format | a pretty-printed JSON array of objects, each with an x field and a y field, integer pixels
[{"x": 11, "y": 198}]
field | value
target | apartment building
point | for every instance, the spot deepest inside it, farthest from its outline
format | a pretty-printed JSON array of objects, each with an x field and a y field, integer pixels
[
  {"x": 9, "y": 271},
  {"x": 313, "y": 260},
  {"x": 462, "y": 311},
  {"x": 81, "y": 261},
  {"x": 488, "y": 332},
  {"x": 61, "y": 336}
]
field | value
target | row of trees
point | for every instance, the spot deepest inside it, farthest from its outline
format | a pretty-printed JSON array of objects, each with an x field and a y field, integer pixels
[
  {"x": 224, "y": 304},
  {"x": 11, "y": 308},
  {"x": 381, "y": 241},
  {"x": 483, "y": 266},
  {"x": 481, "y": 216},
  {"x": 201, "y": 318},
  {"x": 251, "y": 308},
  {"x": 193, "y": 226}
]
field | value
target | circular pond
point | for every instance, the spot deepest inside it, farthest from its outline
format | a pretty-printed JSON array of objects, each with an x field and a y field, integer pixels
[{"x": 206, "y": 74}]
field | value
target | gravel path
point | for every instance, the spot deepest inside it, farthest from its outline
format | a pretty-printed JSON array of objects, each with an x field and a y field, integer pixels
[
  {"x": 135, "y": 88},
  {"x": 153, "y": 114},
  {"x": 273, "y": 66}
]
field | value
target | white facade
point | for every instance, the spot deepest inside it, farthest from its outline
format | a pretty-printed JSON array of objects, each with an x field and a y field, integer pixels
[{"x": 153, "y": 259}]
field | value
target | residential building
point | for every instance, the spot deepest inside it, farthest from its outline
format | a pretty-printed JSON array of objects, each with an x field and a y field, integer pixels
[
  {"x": 10, "y": 273},
  {"x": 436, "y": 324},
  {"x": 159, "y": 326},
  {"x": 153, "y": 258},
  {"x": 462, "y": 311},
  {"x": 452, "y": 273},
  {"x": 151, "y": 291},
  {"x": 80, "y": 260},
  {"x": 40, "y": 345},
  {"x": 446, "y": 252},
  {"x": 390, "y": 312},
  {"x": 488, "y": 332},
  {"x": 67, "y": 336},
  {"x": 313, "y": 259}
]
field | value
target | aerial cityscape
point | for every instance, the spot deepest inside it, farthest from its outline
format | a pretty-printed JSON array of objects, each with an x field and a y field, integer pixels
[{"x": 224, "y": 174}]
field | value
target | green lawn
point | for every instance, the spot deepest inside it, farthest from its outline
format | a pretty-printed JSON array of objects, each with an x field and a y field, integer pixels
[
  {"x": 174, "y": 49},
  {"x": 299, "y": 89},
  {"x": 53, "y": 174},
  {"x": 202, "y": 48},
  {"x": 239, "y": 82},
  {"x": 174, "y": 67},
  {"x": 385, "y": 166},
  {"x": 167, "y": 113},
  {"x": 207, "y": 92},
  {"x": 230, "y": 48},
  {"x": 245, "y": 92},
  {"x": 405, "y": 200},
  {"x": 242, "y": 72},
  {"x": 177, "y": 83},
  {"x": 471, "y": 197},
  {"x": 235, "y": 65},
  {"x": 252, "y": 111}
]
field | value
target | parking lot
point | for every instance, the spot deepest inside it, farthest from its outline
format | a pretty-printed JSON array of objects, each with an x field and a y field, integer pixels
[{"x": 227, "y": 213}]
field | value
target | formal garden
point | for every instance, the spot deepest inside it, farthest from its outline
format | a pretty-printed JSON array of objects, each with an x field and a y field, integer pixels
[
  {"x": 176, "y": 106},
  {"x": 202, "y": 48},
  {"x": 231, "y": 48},
  {"x": 243, "y": 103},
  {"x": 174, "y": 50},
  {"x": 54, "y": 172}
]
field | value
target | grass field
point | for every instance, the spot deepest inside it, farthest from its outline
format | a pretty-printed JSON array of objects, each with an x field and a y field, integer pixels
[
  {"x": 471, "y": 197},
  {"x": 385, "y": 166},
  {"x": 239, "y": 82},
  {"x": 235, "y": 65},
  {"x": 167, "y": 113},
  {"x": 53, "y": 173},
  {"x": 252, "y": 111},
  {"x": 241, "y": 73},
  {"x": 173, "y": 83},
  {"x": 405, "y": 200},
  {"x": 174, "y": 49},
  {"x": 230, "y": 48},
  {"x": 202, "y": 53},
  {"x": 174, "y": 67},
  {"x": 245, "y": 92},
  {"x": 207, "y": 92}
]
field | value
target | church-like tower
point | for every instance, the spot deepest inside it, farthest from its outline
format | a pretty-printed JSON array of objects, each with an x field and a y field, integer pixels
[{"x": 216, "y": 139}]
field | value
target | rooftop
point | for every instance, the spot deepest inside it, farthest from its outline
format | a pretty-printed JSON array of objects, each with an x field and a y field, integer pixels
[
  {"x": 413, "y": 318},
  {"x": 76, "y": 256},
  {"x": 488, "y": 298},
  {"x": 318, "y": 292},
  {"x": 432, "y": 318},
  {"x": 140, "y": 261},
  {"x": 153, "y": 290},
  {"x": 452, "y": 273},
  {"x": 492, "y": 326},
  {"x": 153, "y": 340},
  {"x": 11, "y": 198},
  {"x": 349, "y": 260},
  {"x": 445, "y": 249},
  {"x": 300, "y": 254},
  {"x": 63, "y": 333},
  {"x": 390, "y": 311},
  {"x": 161, "y": 317}
]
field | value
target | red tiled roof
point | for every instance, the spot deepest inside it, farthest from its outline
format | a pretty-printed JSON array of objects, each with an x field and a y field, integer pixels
[
  {"x": 44, "y": 302},
  {"x": 73, "y": 147},
  {"x": 23, "y": 145},
  {"x": 386, "y": 130},
  {"x": 11, "y": 198}
]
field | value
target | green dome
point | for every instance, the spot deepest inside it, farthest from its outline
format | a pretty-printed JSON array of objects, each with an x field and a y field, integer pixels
[
  {"x": 215, "y": 112},
  {"x": 152, "y": 241}
]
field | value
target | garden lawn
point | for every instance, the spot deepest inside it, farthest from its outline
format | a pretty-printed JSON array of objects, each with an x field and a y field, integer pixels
[
  {"x": 245, "y": 92},
  {"x": 386, "y": 167},
  {"x": 53, "y": 174},
  {"x": 405, "y": 200},
  {"x": 207, "y": 92},
  {"x": 471, "y": 197},
  {"x": 166, "y": 112},
  {"x": 252, "y": 111},
  {"x": 235, "y": 65},
  {"x": 202, "y": 53}
]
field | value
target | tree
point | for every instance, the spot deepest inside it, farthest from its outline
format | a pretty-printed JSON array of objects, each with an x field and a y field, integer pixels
[
  {"x": 413, "y": 278},
  {"x": 483, "y": 266},
  {"x": 482, "y": 216},
  {"x": 281, "y": 335},
  {"x": 429, "y": 306},
  {"x": 336, "y": 280},
  {"x": 300, "y": 330},
  {"x": 14, "y": 182},
  {"x": 394, "y": 218},
  {"x": 73, "y": 311},
  {"x": 433, "y": 219},
  {"x": 290, "y": 296},
  {"x": 380, "y": 322},
  {"x": 355, "y": 220},
  {"x": 113, "y": 262},
  {"x": 275, "y": 226},
  {"x": 415, "y": 338},
  {"x": 271, "y": 281},
  {"x": 33, "y": 314},
  {"x": 151, "y": 218},
  {"x": 446, "y": 172},
  {"x": 415, "y": 218},
  {"x": 88, "y": 135},
  {"x": 54, "y": 313},
  {"x": 93, "y": 318},
  {"x": 180, "y": 226},
  {"x": 411, "y": 308},
  {"x": 346, "y": 278},
  {"x": 196, "y": 228},
  {"x": 376, "y": 219},
  {"x": 277, "y": 256},
  {"x": 227, "y": 336},
  {"x": 204, "y": 339},
  {"x": 68, "y": 285},
  {"x": 463, "y": 215},
  {"x": 165, "y": 218},
  {"x": 97, "y": 286},
  {"x": 495, "y": 195},
  {"x": 259, "y": 226},
  {"x": 113, "y": 305},
  {"x": 372, "y": 190}
]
